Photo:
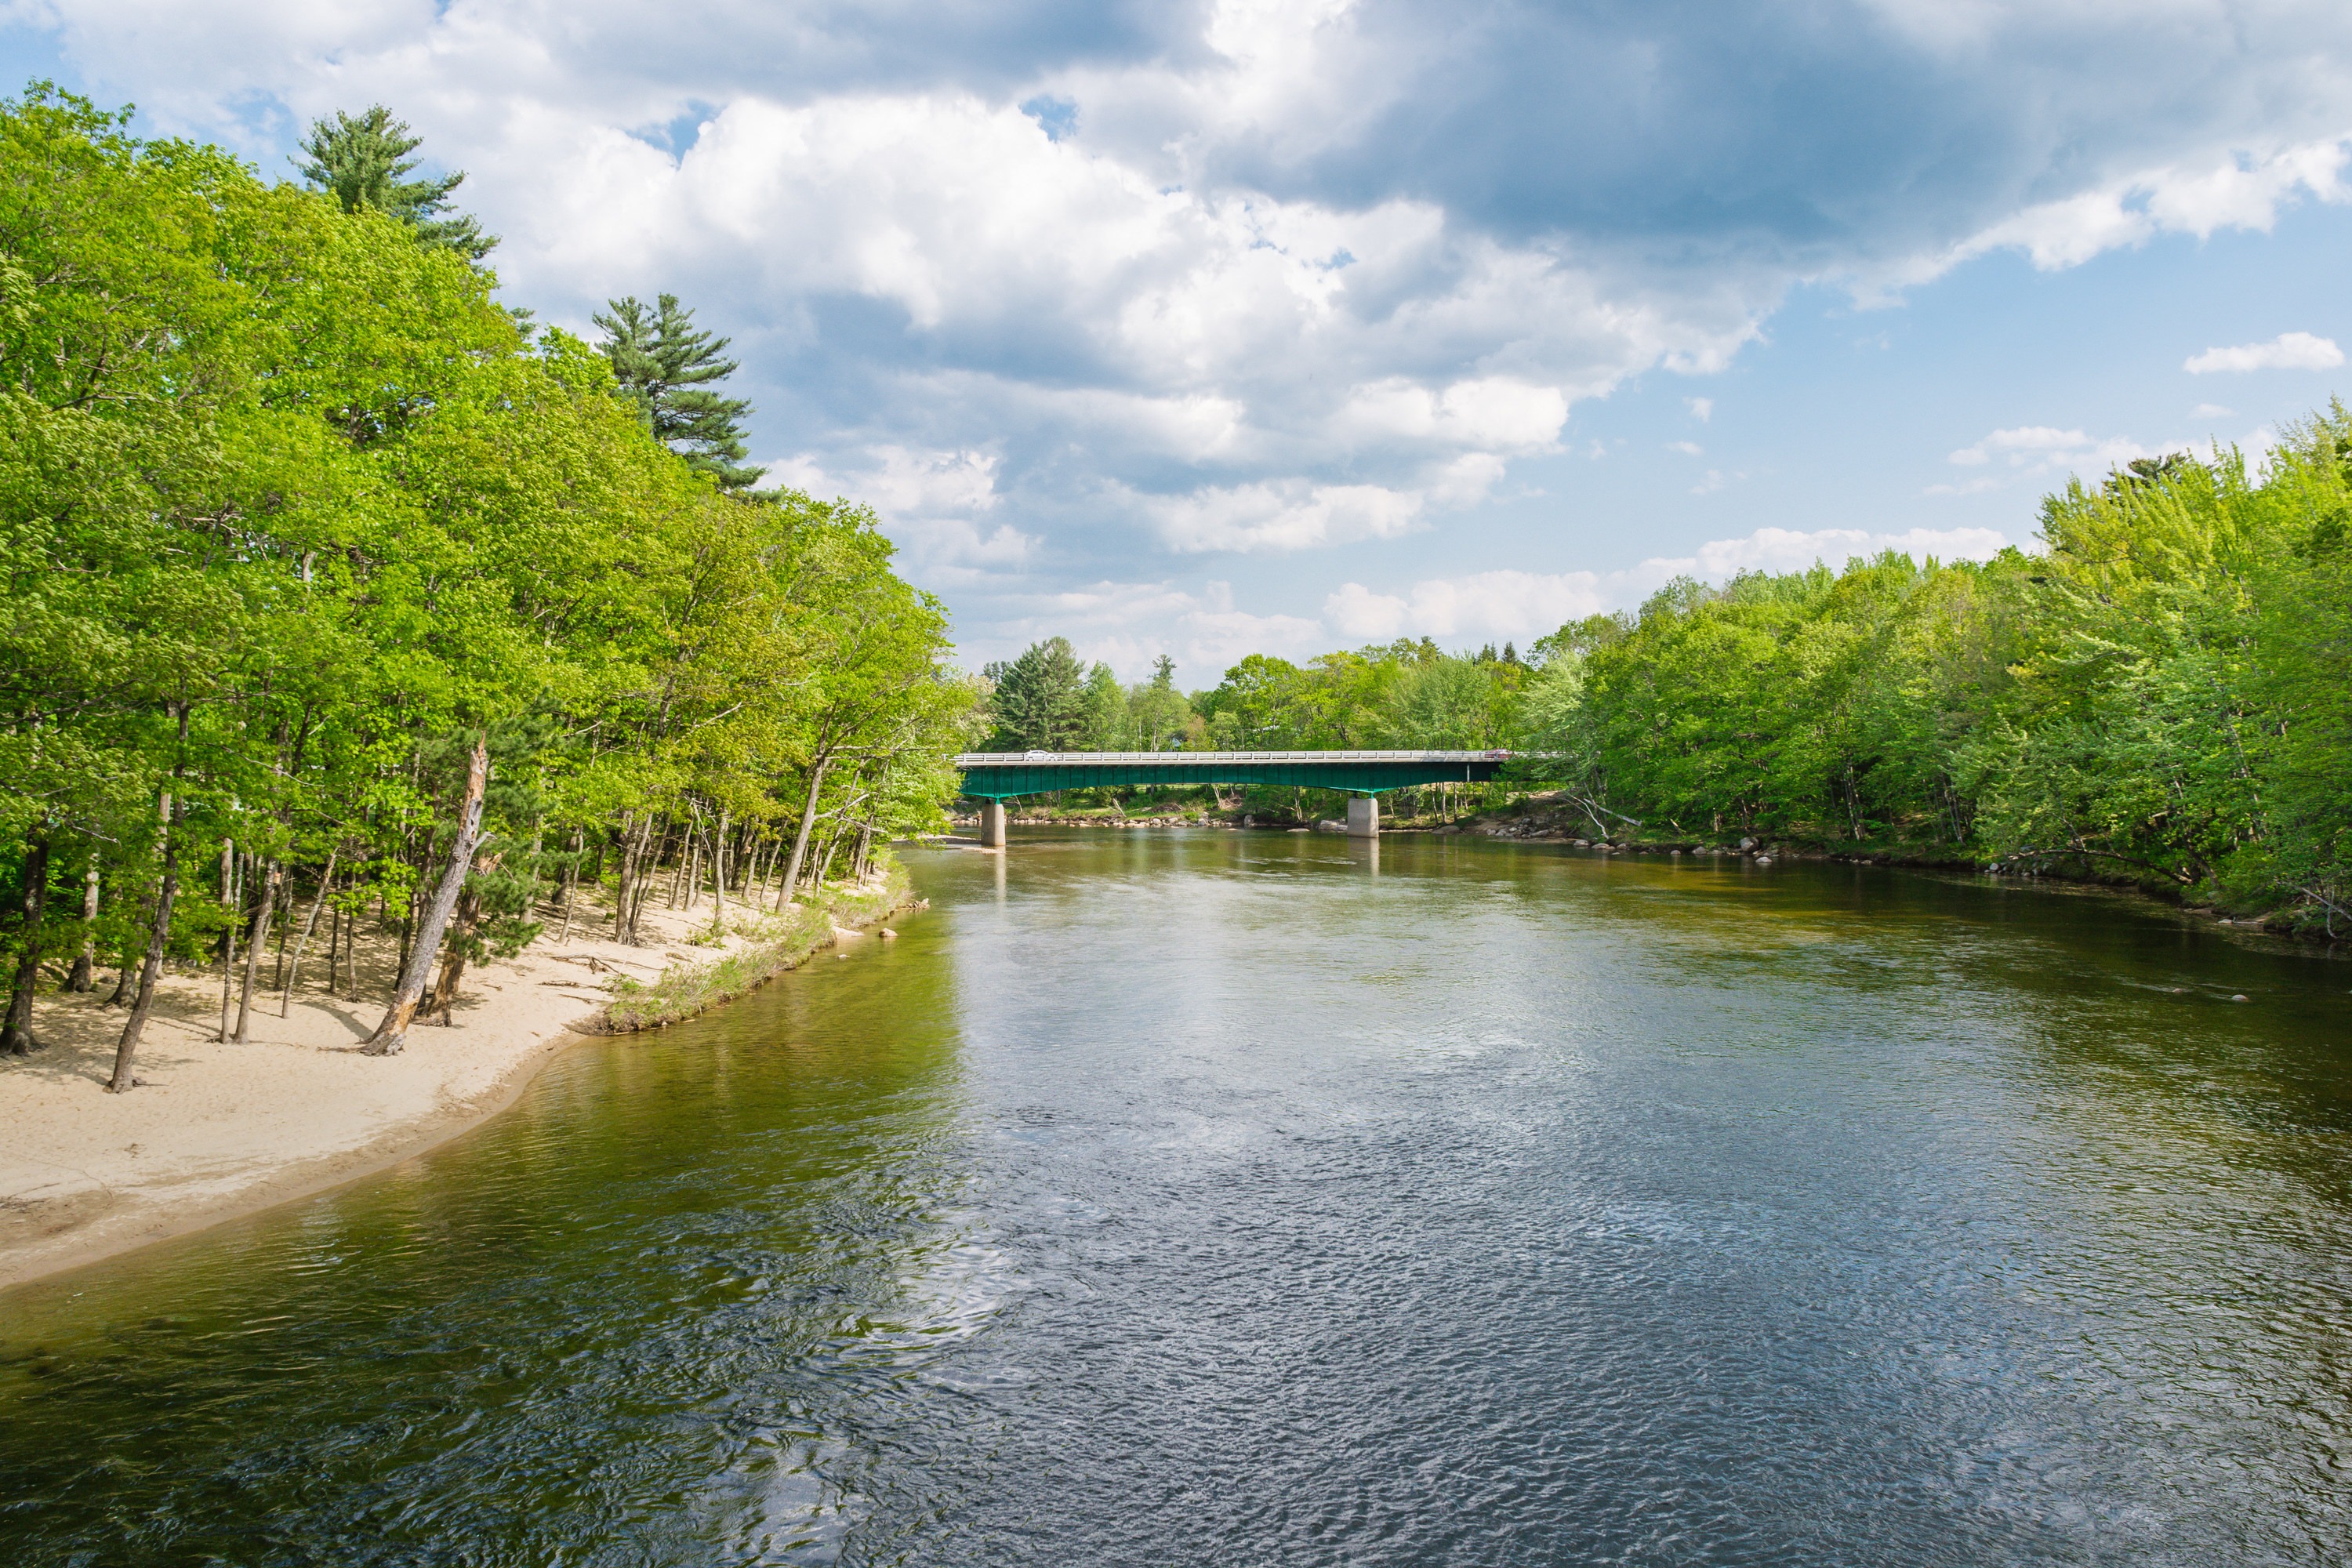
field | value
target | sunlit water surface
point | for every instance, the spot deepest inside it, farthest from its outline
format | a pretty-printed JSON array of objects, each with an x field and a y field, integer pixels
[{"x": 1229, "y": 1199}]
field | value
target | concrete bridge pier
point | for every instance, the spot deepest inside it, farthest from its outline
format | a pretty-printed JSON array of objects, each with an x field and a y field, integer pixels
[
  {"x": 1363, "y": 816},
  {"x": 991, "y": 825}
]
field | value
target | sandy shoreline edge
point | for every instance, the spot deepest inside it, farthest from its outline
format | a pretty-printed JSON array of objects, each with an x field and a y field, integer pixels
[{"x": 221, "y": 1131}]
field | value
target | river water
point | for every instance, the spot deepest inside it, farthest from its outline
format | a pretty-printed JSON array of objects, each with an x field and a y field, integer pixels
[{"x": 1258, "y": 1198}]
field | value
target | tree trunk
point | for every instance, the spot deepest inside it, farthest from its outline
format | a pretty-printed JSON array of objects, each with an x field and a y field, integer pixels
[
  {"x": 253, "y": 947},
  {"x": 628, "y": 870},
  {"x": 158, "y": 937},
  {"x": 16, "y": 1034},
  {"x": 392, "y": 1033},
  {"x": 310, "y": 923},
  {"x": 634, "y": 880},
  {"x": 228, "y": 932},
  {"x": 453, "y": 967},
  {"x": 571, "y": 889},
  {"x": 800, "y": 840},
  {"x": 85, "y": 963},
  {"x": 719, "y": 877}
]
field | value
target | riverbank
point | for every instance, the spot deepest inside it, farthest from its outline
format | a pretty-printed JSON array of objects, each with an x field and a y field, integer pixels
[{"x": 220, "y": 1131}]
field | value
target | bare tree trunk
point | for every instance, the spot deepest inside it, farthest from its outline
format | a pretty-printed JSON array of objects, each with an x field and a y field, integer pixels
[
  {"x": 864, "y": 851},
  {"x": 634, "y": 881},
  {"x": 628, "y": 870},
  {"x": 85, "y": 963},
  {"x": 253, "y": 950},
  {"x": 453, "y": 967},
  {"x": 16, "y": 1034},
  {"x": 309, "y": 924},
  {"x": 392, "y": 1033},
  {"x": 800, "y": 840},
  {"x": 718, "y": 875},
  {"x": 158, "y": 938},
  {"x": 228, "y": 932},
  {"x": 571, "y": 889}
]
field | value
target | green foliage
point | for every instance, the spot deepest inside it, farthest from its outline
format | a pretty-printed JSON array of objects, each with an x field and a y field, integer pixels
[
  {"x": 1040, "y": 700},
  {"x": 778, "y": 943},
  {"x": 290, "y": 513},
  {"x": 2163, "y": 693},
  {"x": 363, "y": 163},
  {"x": 665, "y": 368}
]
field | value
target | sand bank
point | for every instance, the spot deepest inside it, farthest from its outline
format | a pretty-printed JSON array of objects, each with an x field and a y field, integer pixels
[{"x": 219, "y": 1130}]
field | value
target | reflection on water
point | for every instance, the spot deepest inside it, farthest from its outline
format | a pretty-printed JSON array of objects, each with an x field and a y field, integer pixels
[{"x": 1273, "y": 1198}]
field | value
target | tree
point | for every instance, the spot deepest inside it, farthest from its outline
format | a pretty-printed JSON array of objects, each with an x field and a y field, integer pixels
[
  {"x": 305, "y": 548},
  {"x": 1106, "y": 720},
  {"x": 1157, "y": 712},
  {"x": 1040, "y": 702},
  {"x": 667, "y": 368},
  {"x": 364, "y": 163}
]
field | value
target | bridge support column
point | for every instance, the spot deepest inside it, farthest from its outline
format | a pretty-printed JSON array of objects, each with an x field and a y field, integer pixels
[
  {"x": 991, "y": 825},
  {"x": 1363, "y": 816}
]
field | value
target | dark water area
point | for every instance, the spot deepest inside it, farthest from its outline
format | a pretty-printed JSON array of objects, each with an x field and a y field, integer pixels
[{"x": 1219, "y": 1198}]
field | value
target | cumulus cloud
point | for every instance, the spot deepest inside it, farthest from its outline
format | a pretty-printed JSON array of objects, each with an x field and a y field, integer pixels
[
  {"x": 1129, "y": 625},
  {"x": 2288, "y": 351},
  {"x": 2226, "y": 187},
  {"x": 1523, "y": 605},
  {"x": 2036, "y": 451},
  {"x": 1086, "y": 293}
]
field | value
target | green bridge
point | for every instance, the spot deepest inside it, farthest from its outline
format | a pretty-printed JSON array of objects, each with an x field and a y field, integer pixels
[{"x": 992, "y": 777}]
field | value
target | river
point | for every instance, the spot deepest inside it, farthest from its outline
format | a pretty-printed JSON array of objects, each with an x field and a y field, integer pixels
[{"x": 1177, "y": 1197}]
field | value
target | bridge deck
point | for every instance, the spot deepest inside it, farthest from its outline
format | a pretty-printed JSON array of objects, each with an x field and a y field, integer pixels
[{"x": 996, "y": 776}]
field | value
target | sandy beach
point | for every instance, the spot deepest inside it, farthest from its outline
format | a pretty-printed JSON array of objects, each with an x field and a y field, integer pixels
[{"x": 220, "y": 1130}]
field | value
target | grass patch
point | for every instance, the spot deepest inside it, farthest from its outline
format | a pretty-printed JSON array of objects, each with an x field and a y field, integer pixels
[{"x": 778, "y": 942}]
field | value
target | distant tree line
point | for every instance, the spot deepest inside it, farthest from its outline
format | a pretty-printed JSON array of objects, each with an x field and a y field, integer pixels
[
  {"x": 334, "y": 593},
  {"x": 2160, "y": 693}
]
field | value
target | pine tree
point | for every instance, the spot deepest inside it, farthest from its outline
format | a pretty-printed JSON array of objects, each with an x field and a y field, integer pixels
[
  {"x": 364, "y": 164},
  {"x": 1040, "y": 702},
  {"x": 665, "y": 367}
]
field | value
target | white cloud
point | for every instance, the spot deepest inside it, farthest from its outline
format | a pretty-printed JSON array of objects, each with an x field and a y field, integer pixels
[
  {"x": 2229, "y": 189},
  {"x": 2288, "y": 351},
  {"x": 931, "y": 503},
  {"x": 2038, "y": 450},
  {"x": 1487, "y": 604},
  {"x": 2212, "y": 411},
  {"x": 1702, "y": 408},
  {"x": 1295, "y": 515},
  {"x": 1688, "y": 449},
  {"x": 1129, "y": 625},
  {"x": 1523, "y": 605}
]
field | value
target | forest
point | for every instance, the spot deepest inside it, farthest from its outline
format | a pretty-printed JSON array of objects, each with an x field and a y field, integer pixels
[
  {"x": 2158, "y": 693},
  {"x": 338, "y": 593}
]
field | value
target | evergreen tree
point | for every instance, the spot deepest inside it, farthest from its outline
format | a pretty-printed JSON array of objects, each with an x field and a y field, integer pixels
[
  {"x": 364, "y": 164},
  {"x": 665, "y": 367},
  {"x": 1041, "y": 700}
]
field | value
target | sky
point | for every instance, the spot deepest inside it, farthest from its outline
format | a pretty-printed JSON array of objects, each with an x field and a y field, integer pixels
[{"x": 1210, "y": 329}]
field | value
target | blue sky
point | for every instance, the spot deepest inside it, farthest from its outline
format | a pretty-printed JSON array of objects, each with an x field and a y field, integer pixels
[{"x": 1202, "y": 328}]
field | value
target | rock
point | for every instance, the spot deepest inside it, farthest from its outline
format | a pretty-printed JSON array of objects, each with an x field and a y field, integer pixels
[
  {"x": 1328, "y": 825},
  {"x": 1746, "y": 845},
  {"x": 886, "y": 934},
  {"x": 2238, "y": 998}
]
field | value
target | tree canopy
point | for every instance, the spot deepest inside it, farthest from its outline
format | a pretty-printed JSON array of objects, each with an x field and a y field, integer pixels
[
  {"x": 667, "y": 368},
  {"x": 364, "y": 161},
  {"x": 307, "y": 552}
]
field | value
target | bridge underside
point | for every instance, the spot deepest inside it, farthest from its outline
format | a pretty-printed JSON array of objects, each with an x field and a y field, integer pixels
[{"x": 1001, "y": 775}]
